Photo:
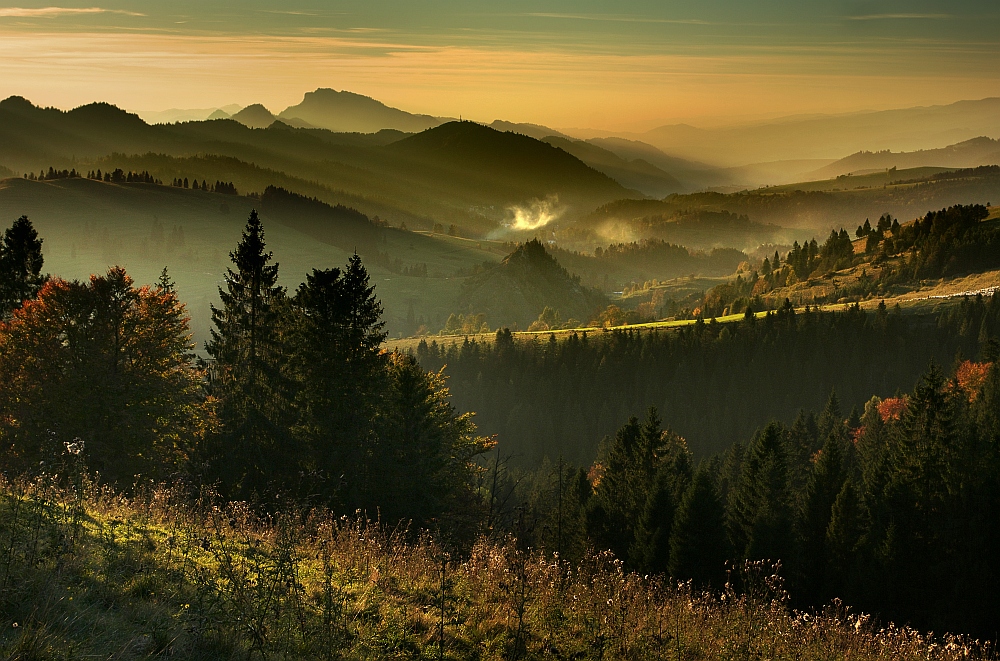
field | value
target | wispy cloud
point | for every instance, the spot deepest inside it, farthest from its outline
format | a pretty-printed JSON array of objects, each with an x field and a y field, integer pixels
[
  {"x": 56, "y": 12},
  {"x": 889, "y": 17},
  {"x": 617, "y": 19}
]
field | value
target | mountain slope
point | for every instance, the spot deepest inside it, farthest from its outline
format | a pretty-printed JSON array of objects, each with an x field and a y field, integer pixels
[
  {"x": 809, "y": 211},
  {"x": 526, "y": 282},
  {"x": 967, "y": 154},
  {"x": 637, "y": 174},
  {"x": 505, "y": 163},
  {"x": 463, "y": 174},
  {"x": 905, "y": 129},
  {"x": 33, "y": 137},
  {"x": 354, "y": 113},
  {"x": 536, "y": 131}
]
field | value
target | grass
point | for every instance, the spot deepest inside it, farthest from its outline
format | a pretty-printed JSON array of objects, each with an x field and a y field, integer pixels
[{"x": 88, "y": 573}]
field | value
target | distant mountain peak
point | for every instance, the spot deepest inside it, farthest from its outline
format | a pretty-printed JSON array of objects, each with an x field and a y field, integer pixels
[
  {"x": 255, "y": 116},
  {"x": 349, "y": 112},
  {"x": 325, "y": 93}
]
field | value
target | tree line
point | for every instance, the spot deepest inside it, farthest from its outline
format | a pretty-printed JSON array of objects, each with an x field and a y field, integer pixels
[
  {"x": 890, "y": 509},
  {"x": 944, "y": 243},
  {"x": 298, "y": 400},
  {"x": 715, "y": 382}
]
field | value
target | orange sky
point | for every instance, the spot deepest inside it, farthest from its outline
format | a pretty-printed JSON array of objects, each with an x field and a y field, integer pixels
[{"x": 595, "y": 76}]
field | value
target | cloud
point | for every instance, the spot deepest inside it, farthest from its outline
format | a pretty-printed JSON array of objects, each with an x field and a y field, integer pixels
[
  {"x": 889, "y": 17},
  {"x": 617, "y": 19},
  {"x": 56, "y": 12}
]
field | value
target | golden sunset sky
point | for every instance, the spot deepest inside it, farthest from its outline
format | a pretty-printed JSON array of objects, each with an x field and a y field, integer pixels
[{"x": 608, "y": 65}]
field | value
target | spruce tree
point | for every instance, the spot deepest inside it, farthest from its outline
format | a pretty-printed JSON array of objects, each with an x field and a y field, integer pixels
[
  {"x": 422, "y": 467},
  {"x": 760, "y": 511},
  {"x": 651, "y": 548},
  {"x": 247, "y": 346},
  {"x": 629, "y": 462},
  {"x": 340, "y": 372},
  {"x": 832, "y": 419},
  {"x": 841, "y": 541},
  {"x": 825, "y": 484},
  {"x": 698, "y": 544},
  {"x": 20, "y": 265}
]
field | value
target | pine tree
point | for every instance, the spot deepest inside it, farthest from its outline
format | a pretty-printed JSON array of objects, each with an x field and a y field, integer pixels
[
  {"x": 340, "y": 372},
  {"x": 629, "y": 462},
  {"x": 760, "y": 510},
  {"x": 825, "y": 484},
  {"x": 698, "y": 544},
  {"x": 20, "y": 265},
  {"x": 247, "y": 346},
  {"x": 651, "y": 548}
]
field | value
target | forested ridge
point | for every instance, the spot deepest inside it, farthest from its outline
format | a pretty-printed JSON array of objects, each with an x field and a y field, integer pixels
[
  {"x": 954, "y": 241},
  {"x": 305, "y": 492},
  {"x": 715, "y": 383}
]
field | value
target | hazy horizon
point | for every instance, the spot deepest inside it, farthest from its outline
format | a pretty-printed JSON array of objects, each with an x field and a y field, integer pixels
[{"x": 560, "y": 64}]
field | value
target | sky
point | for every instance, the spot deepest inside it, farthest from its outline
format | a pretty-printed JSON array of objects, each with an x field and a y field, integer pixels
[{"x": 625, "y": 65}]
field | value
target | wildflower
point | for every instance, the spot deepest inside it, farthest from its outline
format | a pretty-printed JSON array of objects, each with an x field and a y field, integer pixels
[{"x": 74, "y": 448}]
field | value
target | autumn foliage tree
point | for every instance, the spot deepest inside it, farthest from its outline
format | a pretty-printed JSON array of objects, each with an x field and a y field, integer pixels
[{"x": 106, "y": 362}]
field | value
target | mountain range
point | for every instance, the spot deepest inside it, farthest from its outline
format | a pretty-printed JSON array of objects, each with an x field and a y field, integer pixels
[
  {"x": 459, "y": 173},
  {"x": 680, "y": 157},
  {"x": 967, "y": 154},
  {"x": 822, "y": 137}
]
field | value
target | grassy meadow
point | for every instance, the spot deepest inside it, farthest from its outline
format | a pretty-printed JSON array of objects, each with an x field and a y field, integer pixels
[{"x": 88, "y": 573}]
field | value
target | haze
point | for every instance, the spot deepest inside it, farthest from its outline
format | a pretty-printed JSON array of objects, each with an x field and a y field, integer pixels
[{"x": 627, "y": 67}]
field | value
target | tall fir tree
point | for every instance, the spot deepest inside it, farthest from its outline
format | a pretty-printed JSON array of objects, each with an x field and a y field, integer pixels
[
  {"x": 628, "y": 467},
  {"x": 20, "y": 265},
  {"x": 423, "y": 466},
  {"x": 760, "y": 507},
  {"x": 247, "y": 344},
  {"x": 341, "y": 375},
  {"x": 651, "y": 548},
  {"x": 699, "y": 547},
  {"x": 825, "y": 483},
  {"x": 841, "y": 544}
]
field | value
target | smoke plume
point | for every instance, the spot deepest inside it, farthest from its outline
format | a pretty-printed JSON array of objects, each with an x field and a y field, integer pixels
[{"x": 535, "y": 214}]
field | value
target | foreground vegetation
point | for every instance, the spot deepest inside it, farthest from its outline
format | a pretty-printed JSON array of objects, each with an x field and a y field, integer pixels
[
  {"x": 328, "y": 496},
  {"x": 86, "y": 572}
]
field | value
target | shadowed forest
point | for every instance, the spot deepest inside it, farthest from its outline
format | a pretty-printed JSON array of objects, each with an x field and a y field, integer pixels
[{"x": 304, "y": 492}]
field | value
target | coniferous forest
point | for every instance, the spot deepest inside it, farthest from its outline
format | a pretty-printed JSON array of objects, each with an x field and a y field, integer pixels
[{"x": 778, "y": 486}]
